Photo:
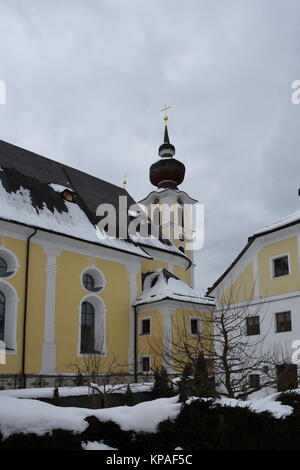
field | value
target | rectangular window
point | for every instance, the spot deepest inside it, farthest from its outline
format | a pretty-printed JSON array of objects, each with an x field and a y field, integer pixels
[
  {"x": 281, "y": 266},
  {"x": 253, "y": 327},
  {"x": 254, "y": 381},
  {"x": 145, "y": 326},
  {"x": 283, "y": 322},
  {"x": 195, "y": 326},
  {"x": 145, "y": 363}
]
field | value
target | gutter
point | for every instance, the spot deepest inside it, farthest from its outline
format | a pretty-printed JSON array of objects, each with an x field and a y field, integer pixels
[
  {"x": 135, "y": 345},
  {"x": 26, "y": 308}
]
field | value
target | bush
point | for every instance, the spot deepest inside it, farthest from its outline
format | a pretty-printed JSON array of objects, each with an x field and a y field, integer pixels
[
  {"x": 128, "y": 397},
  {"x": 162, "y": 386},
  {"x": 201, "y": 425}
]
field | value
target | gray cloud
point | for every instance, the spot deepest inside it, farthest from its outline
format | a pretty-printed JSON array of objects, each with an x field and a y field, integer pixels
[{"x": 86, "y": 80}]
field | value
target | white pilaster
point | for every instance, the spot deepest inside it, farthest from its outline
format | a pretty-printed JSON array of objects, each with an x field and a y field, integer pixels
[{"x": 49, "y": 346}]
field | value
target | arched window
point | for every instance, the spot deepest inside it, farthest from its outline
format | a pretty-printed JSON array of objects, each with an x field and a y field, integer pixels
[
  {"x": 2, "y": 315},
  {"x": 87, "y": 328}
]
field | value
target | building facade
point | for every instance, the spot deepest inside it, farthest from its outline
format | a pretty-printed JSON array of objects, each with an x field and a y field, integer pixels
[
  {"x": 67, "y": 293},
  {"x": 265, "y": 277}
]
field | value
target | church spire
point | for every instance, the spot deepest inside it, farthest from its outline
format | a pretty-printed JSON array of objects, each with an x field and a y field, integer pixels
[{"x": 167, "y": 172}]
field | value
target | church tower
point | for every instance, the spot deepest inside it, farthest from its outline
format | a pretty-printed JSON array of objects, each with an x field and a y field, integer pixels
[{"x": 166, "y": 174}]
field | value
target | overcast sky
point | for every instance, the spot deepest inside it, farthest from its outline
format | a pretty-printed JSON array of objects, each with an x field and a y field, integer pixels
[{"x": 86, "y": 81}]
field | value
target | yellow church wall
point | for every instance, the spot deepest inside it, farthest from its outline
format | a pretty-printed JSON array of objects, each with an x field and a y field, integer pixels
[
  {"x": 182, "y": 273},
  {"x": 116, "y": 297},
  {"x": 242, "y": 289},
  {"x": 18, "y": 247},
  {"x": 153, "y": 265},
  {"x": 271, "y": 287},
  {"x": 151, "y": 345}
]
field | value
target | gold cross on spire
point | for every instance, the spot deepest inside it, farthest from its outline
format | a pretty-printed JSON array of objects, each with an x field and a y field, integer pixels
[{"x": 164, "y": 109}]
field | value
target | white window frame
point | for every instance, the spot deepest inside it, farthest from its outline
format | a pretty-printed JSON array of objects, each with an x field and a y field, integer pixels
[
  {"x": 141, "y": 326},
  {"x": 199, "y": 325},
  {"x": 11, "y": 316},
  {"x": 272, "y": 270}
]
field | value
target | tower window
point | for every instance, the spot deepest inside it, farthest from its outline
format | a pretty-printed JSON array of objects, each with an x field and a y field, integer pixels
[
  {"x": 2, "y": 315},
  {"x": 87, "y": 328}
]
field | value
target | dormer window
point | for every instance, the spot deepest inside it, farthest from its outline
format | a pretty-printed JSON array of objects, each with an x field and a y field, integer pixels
[{"x": 69, "y": 195}]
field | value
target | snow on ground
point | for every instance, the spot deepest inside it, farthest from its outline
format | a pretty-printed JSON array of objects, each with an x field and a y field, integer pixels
[
  {"x": 33, "y": 416},
  {"x": 96, "y": 446},
  {"x": 47, "y": 392}
]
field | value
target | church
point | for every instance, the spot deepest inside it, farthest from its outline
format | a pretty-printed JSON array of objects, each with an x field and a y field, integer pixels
[{"x": 67, "y": 294}]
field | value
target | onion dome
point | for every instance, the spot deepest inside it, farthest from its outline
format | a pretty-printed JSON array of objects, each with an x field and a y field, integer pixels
[{"x": 167, "y": 172}]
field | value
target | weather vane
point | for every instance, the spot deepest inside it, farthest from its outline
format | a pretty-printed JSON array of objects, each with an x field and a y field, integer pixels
[{"x": 164, "y": 109}]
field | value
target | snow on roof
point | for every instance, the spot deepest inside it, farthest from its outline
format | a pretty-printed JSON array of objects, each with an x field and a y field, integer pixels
[
  {"x": 161, "y": 284},
  {"x": 28, "y": 201},
  {"x": 17, "y": 206},
  {"x": 290, "y": 218}
]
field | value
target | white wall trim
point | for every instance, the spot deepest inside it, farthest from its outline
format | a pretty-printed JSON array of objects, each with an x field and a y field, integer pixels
[{"x": 49, "y": 345}]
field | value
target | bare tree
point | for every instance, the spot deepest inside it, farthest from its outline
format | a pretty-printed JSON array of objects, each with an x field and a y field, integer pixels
[
  {"x": 237, "y": 353},
  {"x": 101, "y": 370}
]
